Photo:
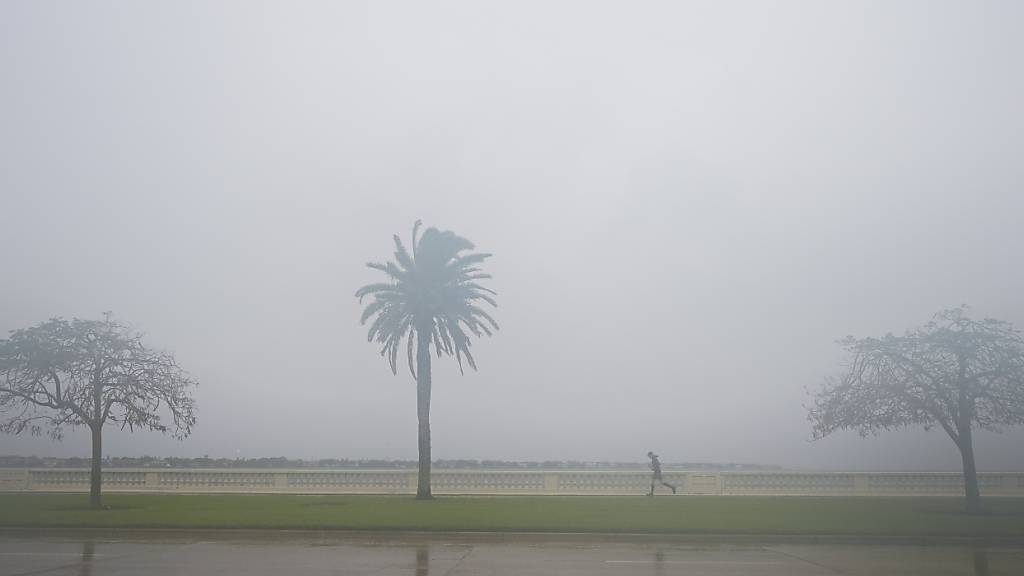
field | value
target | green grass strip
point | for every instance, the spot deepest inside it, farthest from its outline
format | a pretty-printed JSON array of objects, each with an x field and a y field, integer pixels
[{"x": 662, "y": 515}]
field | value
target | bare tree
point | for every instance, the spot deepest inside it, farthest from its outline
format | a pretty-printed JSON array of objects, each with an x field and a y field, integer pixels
[
  {"x": 61, "y": 374},
  {"x": 955, "y": 372}
]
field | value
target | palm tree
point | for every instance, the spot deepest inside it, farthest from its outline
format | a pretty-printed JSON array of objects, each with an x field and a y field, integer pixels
[{"x": 432, "y": 297}]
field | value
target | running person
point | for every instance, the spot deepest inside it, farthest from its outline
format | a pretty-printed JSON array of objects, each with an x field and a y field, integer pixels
[{"x": 656, "y": 478}]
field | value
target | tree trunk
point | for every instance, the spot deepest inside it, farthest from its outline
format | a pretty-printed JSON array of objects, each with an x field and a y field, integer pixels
[
  {"x": 423, "y": 411},
  {"x": 95, "y": 476},
  {"x": 966, "y": 444},
  {"x": 971, "y": 489}
]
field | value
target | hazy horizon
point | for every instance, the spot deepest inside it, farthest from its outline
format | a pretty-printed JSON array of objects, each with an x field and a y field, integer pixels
[{"x": 687, "y": 203}]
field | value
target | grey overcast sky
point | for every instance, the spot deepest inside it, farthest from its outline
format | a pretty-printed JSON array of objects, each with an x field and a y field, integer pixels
[{"x": 688, "y": 203}]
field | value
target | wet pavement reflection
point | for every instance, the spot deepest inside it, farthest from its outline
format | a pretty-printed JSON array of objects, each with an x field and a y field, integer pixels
[
  {"x": 422, "y": 561},
  {"x": 88, "y": 553},
  {"x": 293, "y": 554},
  {"x": 981, "y": 563}
]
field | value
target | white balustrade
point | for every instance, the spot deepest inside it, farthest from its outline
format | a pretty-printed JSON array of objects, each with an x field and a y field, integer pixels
[{"x": 606, "y": 482}]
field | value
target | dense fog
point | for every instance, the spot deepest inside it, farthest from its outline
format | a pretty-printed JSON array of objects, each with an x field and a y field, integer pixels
[{"x": 687, "y": 203}]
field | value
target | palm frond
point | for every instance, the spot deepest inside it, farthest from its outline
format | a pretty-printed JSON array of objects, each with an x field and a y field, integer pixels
[
  {"x": 462, "y": 344},
  {"x": 477, "y": 311},
  {"x": 437, "y": 285},
  {"x": 415, "y": 229},
  {"x": 445, "y": 335},
  {"x": 475, "y": 286},
  {"x": 402, "y": 255},
  {"x": 475, "y": 276},
  {"x": 374, "y": 289},
  {"x": 469, "y": 260},
  {"x": 436, "y": 339},
  {"x": 371, "y": 309},
  {"x": 394, "y": 272},
  {"x": 412, "y": 357}
]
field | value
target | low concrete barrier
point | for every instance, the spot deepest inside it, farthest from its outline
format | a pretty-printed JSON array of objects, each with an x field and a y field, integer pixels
[{"x": 618, "y": 482}]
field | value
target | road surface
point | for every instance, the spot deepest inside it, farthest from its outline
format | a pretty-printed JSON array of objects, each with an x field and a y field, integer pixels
[{"x": 293, "y": 554}]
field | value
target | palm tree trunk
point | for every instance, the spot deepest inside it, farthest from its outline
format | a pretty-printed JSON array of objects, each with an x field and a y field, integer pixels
[{"x": 423, "y": 411}]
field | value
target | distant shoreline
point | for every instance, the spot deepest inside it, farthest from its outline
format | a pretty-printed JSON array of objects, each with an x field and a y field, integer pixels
[{"x": 362, "y": 464}]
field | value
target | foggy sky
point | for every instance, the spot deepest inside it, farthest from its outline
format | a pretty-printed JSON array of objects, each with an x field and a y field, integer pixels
[{"x": 688, "y": 204}]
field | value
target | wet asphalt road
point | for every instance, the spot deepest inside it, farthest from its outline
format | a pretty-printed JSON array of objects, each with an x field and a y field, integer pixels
[{"x": 296, "y": 554}]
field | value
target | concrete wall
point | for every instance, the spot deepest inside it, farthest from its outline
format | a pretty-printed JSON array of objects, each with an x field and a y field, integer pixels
[{"x": 507, "y": 482}]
